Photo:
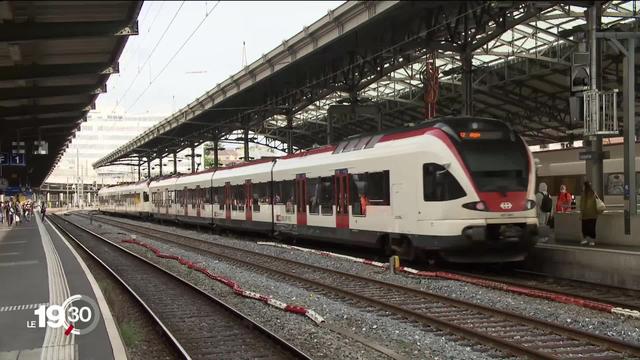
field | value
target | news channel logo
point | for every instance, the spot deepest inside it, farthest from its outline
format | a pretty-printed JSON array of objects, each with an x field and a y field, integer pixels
[{"x": 77, "y": 315}]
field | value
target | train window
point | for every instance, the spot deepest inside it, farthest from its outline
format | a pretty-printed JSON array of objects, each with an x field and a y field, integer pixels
[
  {"x": 218, "y": 196},
  {"x": 439, "y": 184},
  {"x": 238, "y": 197},
  {"x": 180, "y": 196},
  {"x": 351, "y": 145},
  {"x": 362, "y": 142},
  {"x": 497, "y": 165},
  {"x": 326, "y": 195},
  {"x": 357, "y": 187},
  {"x": 145, "y": 196},
  {"x": 372, "y": 188},
  {"x": 374, "y": 140},
  {"x": 207, "y": 194},
  {"x": 288, "y": 195},
  {"x": 313, "y": 195},
  {"x": 260, "y": 195},
  {"x": 277, "y": 192},
  {"x": 283, "y": 193},
  {"x": 340, "y": 147},
  {"x": 377, "y": 190}
]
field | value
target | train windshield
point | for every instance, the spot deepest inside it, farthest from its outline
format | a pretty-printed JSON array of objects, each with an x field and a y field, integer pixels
[{"x": 497, "y": 165}]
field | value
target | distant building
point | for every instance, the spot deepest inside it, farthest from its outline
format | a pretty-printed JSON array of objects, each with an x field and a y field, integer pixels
[{"x": 97, "y": 137}]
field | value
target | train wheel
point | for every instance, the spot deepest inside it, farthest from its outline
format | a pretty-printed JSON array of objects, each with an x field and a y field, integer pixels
[
  {"x": 384, "y": 245},
  {"x": 402, "y": 247}
]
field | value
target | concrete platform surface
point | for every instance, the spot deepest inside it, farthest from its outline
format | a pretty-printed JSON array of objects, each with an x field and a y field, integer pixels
[
  {"x": 604, "y": 264},
  {"x": 38, "y": 267}
]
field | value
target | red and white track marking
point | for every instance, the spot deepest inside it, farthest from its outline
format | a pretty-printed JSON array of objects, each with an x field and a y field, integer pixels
[{"x": 232, "y": 284}]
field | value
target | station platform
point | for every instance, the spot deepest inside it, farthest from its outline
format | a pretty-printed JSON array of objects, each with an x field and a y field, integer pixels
[
  {"x": 606, "y": 264},
  {"x": 38, "y": 266}
]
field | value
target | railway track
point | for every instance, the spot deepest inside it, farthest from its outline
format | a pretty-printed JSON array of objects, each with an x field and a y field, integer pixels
[
  {"x": 463, "y": 321},
  {"x": 199, "y": 325},
  {"x": 623, "y": 298}
]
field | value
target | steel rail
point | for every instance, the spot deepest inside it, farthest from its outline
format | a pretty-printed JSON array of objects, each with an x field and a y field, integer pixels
[{"x": 623, "y": 298}]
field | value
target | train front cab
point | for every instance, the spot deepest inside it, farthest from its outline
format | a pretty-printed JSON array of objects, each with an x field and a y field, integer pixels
[{"x": 477, "y": 201}]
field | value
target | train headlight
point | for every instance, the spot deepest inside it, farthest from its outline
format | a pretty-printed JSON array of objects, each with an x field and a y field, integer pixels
[
  {"x": 531, "y": 204},
  {"x": 476, "y": 205}
]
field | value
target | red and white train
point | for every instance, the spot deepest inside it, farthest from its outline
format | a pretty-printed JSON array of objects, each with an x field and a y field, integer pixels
[{"x": 459, "y": 188}]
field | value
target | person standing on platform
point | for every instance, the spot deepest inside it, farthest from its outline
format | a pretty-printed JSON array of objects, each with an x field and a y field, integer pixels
[
  {"x": 19, "y": 216},
  {"x": 544, "y": 204},
  {"x": 588, "y": 214},
  {"x": 43, "y": 209},
  {"x": 563, "y": 204},
  {"x": 6, "y": 212},
  {"x": 12, "y": 212}
]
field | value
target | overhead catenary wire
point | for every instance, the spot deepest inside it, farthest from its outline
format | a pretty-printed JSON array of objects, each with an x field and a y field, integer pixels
[
  {"x": 175, "y": 15},
  {"x": 143, "y": 17},
  {"x": 155, "y": 17},
  {"x": 139, "y": 43},
  {"x": 206, "y": 15}
]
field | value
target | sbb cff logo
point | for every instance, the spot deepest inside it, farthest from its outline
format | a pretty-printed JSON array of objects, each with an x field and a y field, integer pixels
[
  {"x": 78, "y": 315},
  {"x": 505, "y": 205}
]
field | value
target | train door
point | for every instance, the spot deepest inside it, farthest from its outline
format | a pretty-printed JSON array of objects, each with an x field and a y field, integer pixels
[
  {"x": 396, "y": 206},
  {"x": 248, "y": 200},
  {"x": 227, "y": 200},
  {"x": 185, "y": 201},
  {"x": 341, "y": 186},
  {"x": 301, "y": 199},
  {"x": 167, "y": 201},
  {"x": 198, "y": 199}
]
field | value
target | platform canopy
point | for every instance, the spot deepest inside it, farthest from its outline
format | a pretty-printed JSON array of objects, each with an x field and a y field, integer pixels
[
  {"x": 372, "y": 57},
  {"x": 55, "y": 59}
]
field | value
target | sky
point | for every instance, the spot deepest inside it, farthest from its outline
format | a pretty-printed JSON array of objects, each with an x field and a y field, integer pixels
[{"x": 212, "y": 54}]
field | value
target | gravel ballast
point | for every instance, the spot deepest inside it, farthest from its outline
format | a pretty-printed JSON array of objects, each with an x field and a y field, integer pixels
[{"x": 615, "y": 326}]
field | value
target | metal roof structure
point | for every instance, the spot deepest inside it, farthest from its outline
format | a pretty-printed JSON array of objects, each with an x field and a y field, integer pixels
[
  {"x": 374, "y": 54},
  {"x": 55, "y": 59}
]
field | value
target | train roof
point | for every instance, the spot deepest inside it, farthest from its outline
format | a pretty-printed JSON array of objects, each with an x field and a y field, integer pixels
[{"x": 367, "y": 140}]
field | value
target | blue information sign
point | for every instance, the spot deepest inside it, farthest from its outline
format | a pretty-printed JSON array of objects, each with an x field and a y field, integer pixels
[
  {"x": 4, "y": 158},
  {"x": 17, "y": 159}
]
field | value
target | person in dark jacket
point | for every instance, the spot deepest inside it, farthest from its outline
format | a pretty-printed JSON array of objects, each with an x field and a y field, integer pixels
[
  {"x": 43, "y": 209},
  {"x": 544, "y": 205},
  {"x": 588, "y": 214}
]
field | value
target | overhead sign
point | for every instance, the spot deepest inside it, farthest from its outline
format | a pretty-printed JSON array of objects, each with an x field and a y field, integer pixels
[
  {"x": 593, "y": 155},
  {"x": 17, "y": 159},
  {"x": 40, "y": 147},
  {"x": 4, "y": 159}
]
